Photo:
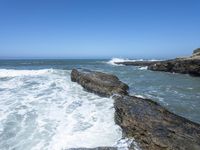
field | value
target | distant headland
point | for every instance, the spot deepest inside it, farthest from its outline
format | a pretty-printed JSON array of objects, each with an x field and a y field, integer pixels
[{"x": 185, "y": 65}]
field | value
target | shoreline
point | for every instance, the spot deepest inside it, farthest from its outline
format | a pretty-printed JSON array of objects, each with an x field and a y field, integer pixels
[
  {"x": 150, "y": 124},
  {"x": 184, "y": 65}
]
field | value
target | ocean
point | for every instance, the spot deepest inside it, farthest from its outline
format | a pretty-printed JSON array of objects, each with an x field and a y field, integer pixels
[{"x": 40, "y": 108}]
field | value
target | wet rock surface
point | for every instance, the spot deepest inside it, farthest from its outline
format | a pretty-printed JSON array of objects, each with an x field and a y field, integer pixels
[
  {"x": 98, "y": 82},
  {"x": 151, "y": 125}
]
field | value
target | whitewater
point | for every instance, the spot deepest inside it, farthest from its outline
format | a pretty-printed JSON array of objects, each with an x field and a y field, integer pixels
[
  {"x": 43, "y": 109},
  {"x": 113, "y": 61}
]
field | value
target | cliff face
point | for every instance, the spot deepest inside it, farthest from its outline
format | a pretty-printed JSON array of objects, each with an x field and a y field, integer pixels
[{"x": 151, "y": 125}]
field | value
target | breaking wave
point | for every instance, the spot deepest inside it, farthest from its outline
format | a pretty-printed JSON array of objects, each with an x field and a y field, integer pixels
[
  {"x": 43, "y": 109},
  {"x": 113, "y": 61},
  {"x": 15, "y": 73}
]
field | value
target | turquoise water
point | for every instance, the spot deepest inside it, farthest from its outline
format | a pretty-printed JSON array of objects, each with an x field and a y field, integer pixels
[{"x": 40, "y": 108}]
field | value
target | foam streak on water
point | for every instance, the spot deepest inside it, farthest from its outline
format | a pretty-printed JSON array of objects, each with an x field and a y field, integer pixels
[
  {"x": 113, "y": 61},
  {"x": 43, "y": 109}
]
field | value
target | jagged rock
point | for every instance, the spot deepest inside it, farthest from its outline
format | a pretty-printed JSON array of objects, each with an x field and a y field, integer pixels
[
  {"x": 185, "y": 66},
  {"x": 98, "y": 82},
  {"x": 151, "y": 125},
  {"x": 190, "y": 65},
  {"x": 154, "y": 127}
]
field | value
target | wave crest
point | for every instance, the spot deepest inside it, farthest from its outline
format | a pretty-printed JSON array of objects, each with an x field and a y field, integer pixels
[
  {"x": 15, "y": 73},
  {"x": 113, "y": 61}
]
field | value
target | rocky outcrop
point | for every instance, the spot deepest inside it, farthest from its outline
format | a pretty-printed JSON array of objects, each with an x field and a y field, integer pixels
[
  {"x": 196, "y": 52},
  {"x": 151, "y": 125},
  {"x": 98, "y": 82},
  {"x": 189, "y": 65},
  {"x": 186, "y": 65},
  {"x": 137, "y": 63}
]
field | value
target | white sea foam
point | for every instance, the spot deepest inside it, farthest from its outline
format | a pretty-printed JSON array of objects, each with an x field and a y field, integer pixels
[
  {"x": 143, "y": 68},
  {"x": 139, "y": 96},
  {"x": 113, "y": 61},
  {"x": 43, "y": 109},
  {"x": 14, "y": 73}
]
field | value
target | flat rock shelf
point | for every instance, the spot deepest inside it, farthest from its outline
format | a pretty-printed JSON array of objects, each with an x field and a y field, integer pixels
[{"x": 152, "y": 126}]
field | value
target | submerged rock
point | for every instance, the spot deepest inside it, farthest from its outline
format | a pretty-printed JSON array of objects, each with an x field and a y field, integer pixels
[
  {"x": 98, "y": 82},
  {"x": 151, "y": 125}
]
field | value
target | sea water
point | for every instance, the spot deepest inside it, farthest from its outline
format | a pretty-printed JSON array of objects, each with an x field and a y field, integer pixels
[{"x": 40, "y": 108}]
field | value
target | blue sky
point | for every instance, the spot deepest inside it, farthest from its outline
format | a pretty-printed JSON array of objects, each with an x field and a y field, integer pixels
[{"x": 98, "y": 28}]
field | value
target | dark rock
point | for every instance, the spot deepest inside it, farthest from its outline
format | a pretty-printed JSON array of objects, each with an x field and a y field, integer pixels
[
  {"x": 190, "y": 65},
  {"x": 185, "y": 66},
  {"x": 98, "y": 82},
  {"x": 137, "y": 63},
  {"x": 196, "y": 51},
  {"x": 151, "y": 125}
]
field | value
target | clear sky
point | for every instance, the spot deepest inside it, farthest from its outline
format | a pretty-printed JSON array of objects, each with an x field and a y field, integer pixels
[{"x": 98, "y": 28}]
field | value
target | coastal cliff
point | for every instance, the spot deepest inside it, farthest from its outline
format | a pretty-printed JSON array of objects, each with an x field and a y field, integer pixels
[
  {"x": 151, "y": 125},
  {"x": 185, "y": 65}
]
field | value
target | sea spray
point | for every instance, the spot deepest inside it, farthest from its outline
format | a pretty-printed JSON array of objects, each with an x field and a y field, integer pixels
[
  {"x": 43, "y": 109},
  {"x": 113, "y": 61}
]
